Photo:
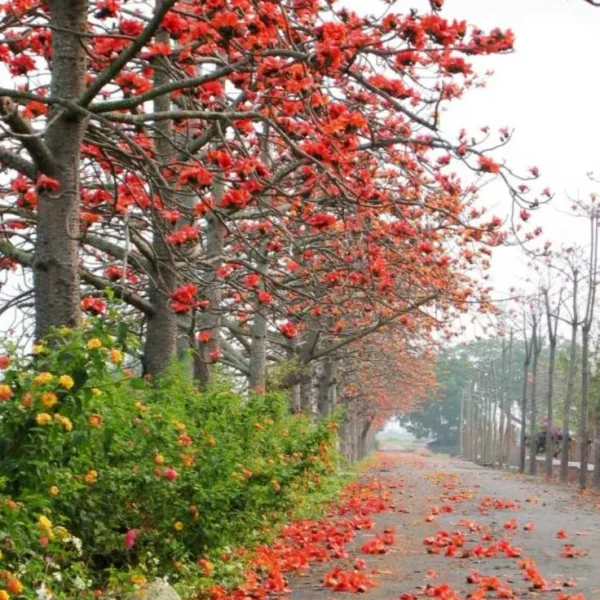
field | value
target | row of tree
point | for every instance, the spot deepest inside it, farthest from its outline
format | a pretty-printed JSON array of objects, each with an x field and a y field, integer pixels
[
  {"x": 534, "y": 387},
  {"x": 259, "y": 183}
]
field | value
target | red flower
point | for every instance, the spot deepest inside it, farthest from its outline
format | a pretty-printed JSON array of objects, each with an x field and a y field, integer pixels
[
  {"x": 487, "y": 165},
  {"x": 170, "y": 474},
  {"x": 264, "y": 297},
  {"x": 195, "y": 175},
  {"x": 4, "y": 361},
  {"x": 187, "y": 233},
  {"x": 130, "y": 538},
  {"x": 95, "y": 306},
  {"x": 252, "y": 280},
  {"x": 184, "y": 298},
  {"x": 321, "y": 221},
  {"x": 204, "y": 336},
  {"x": 288, "y": 330},
  {"x": 47, "y": 184},
  {"x": 214, "y": 355}
]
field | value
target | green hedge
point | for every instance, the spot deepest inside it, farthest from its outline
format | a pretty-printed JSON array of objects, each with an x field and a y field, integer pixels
[{"x": 108, "y": 481}]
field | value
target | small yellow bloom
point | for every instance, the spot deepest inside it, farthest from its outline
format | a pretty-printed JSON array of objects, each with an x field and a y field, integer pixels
[
  {"x": 94, "y": 344},
  {"x": 43, "y": 378},
  {"x": 179, "y": 426},
  {"x": 178, "y": 526},
  {"x": 43, "y": 419},
  {"x": 96, "y": 392},
  {"x": 61, "y": 533},
  {"x": 4, "y": 595},
  {"x": 54, "y": 491},
  {"x": 91, "y": 476},
  {"x": 45, "y": 524},
  {"x": 66, "y": 381},
  {"x": 65, "y": 422},
  {"x": 159, "y": 459},
  {"x": 48, "y": 399},
  {"x": 137, "y": 579},
  {"x": 115, "y": 356},
  {"x": 38, "y": 348},
  {"x": 187, "y": 460}
]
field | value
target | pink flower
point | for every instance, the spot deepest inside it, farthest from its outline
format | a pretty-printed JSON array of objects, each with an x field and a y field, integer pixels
[
  {"x": 130, "y": 538},
  {"x": 170, "y": 474}
]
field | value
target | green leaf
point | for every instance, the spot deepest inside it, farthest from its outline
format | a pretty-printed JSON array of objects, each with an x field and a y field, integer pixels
[{"x": 80, "y": 376}]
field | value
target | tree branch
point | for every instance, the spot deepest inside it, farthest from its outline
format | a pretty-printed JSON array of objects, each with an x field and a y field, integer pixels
[
  {"x": 115, "y": 67},
  {"x": 26, "y": 259},
  {"x": 13, "y": 161},
  {"x": 24, "y": 131}
]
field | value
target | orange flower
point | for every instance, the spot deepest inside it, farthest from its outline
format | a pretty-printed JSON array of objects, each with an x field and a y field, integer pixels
[
  {"x": 5, "y": 392},
  {"x": 91, "y": 476},
  {"x": 95, "y": 420}
]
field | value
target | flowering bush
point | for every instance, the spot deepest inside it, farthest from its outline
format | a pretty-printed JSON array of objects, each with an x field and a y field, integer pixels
[{"x": 108, "y": 481}]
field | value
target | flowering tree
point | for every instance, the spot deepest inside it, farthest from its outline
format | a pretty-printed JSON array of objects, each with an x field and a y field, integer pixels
[{"x": 256, "y": 179}]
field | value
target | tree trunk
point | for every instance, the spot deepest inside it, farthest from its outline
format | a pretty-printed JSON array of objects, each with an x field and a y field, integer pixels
[
  {"x": 210, "y": 319},
  {"x": 56, "y": 264},
  {"x": 327, "y": 389},
  {"x": 162, "y": 327},
  {"x": 502, "y": 402},
  {"x": 583, "y": 425},
  {"x": 564, "y": 458},
  {"x": 550, "y": 409},
  {"x": 509, "y": 402},
  {"x": 461, "y": 427},
  {"x": 258, "y": 349},
  {"x": 306, "y": 400},
  {"x": 522, "y": 448},
  {"x": 364, "y": 432},
  {"x": 537, "y": 347}
]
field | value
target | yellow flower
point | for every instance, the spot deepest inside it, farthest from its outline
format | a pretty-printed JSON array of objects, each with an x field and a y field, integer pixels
[
  {"x": 137, "y": 579},
  {"x": 4, "y": 595},
  {"x": 61, "y": 533},
  {"x": 45, "y": 524},
  {"x": 66, "y": 423},
  {"x": 96, "y": 392},
  {"x": 54, "y": 490},
  {"x": 66, "y": 381},
  {"x": 38, "y": 348},
  {"x": 116, "y": 356},
  {"x": 94, "y": 344},
  {"x": 179, "y": 426},
  {"x": 43, "y": 378},
  {"x": 91, "y": 476},
  {"x": 48, "y": 399},
  {"x": 178, "y": 526},
  {"x": 5, "y": 392},
  {"x": 43, "y": 419},
  {"x": 187, "y": 460},
  {"x": 159, "y": 459}
]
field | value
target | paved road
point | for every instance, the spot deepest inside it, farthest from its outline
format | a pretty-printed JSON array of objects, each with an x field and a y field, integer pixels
[{"x": 418, "y": 484}]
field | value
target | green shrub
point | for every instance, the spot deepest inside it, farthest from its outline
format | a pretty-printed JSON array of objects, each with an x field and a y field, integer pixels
[{"x": 106, "y": 479}]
